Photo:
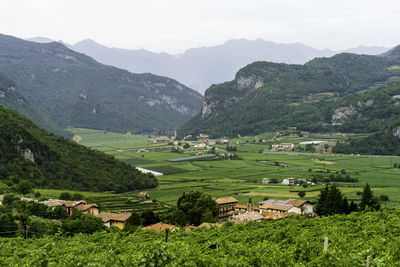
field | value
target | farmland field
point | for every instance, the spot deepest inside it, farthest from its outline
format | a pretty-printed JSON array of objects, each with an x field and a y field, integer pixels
[{"x": 240, "y": 178}]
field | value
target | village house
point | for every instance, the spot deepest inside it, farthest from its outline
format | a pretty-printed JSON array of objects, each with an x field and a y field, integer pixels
[
  {"x": 265, "y": 180},
  {"x": 226, "y": 206},
  {"x": 203, "y": 135},
  {"x": 143, "y": 195},
  {"x": 90, "y": 209},
  {"x": 296, "y": 206},
  {"x": 282, "y": 147},
  {"x": 224, "y": 142},
  {"x": 302, "y": 181},
  {"x": 201, "y": 145},
  {"x": 305, "y": 206},
  {"x": 211, "y": 142},
  {"x": 159, "y": 139},
  {"x": 114, "y": 219},
  {"x": 160, "y": 226},
  {"x": 70, "y": 205},
  {"x": 53, "y": 203},
  {"x": 142, "y": 150},
  {"x": 279, "y": 207},
  {"x": 288, "y": 181}
]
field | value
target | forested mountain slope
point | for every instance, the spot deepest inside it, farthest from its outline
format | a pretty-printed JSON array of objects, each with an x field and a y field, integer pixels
[
  {"x": 11, "y": 97},
  {"x": 74, "y": 90},
  {"x": 48, "y": 161},
  {"x": 268, "y": 96}
]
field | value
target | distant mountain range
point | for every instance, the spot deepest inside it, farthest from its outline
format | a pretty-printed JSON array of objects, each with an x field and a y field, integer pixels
[
  {"x": 201, "y": 67},
  {"x": 67, "y": 88}
]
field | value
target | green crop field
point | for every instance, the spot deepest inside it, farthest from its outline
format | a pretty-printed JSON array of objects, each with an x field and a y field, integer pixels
[{"x": 240, "y": 178}]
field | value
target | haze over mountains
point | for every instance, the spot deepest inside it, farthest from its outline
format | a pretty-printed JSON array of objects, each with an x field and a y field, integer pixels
[{"x": 201, "y": 67}]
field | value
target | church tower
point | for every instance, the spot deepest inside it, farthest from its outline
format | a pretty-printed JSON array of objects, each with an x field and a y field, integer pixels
[{"x": 250, "y": 206}]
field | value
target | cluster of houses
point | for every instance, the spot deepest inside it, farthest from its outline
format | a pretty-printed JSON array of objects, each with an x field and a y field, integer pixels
[
  {"x": 282, "y": 147},
  {"x": 109, "y": 219},
  {"x": 159, "y": 139},
  {"x": 268, "y": 209},
  {"x": 288, "y": 181}
]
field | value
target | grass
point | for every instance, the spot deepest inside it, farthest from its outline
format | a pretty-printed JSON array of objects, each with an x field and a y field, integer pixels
[{"x": 240, "y": 178}]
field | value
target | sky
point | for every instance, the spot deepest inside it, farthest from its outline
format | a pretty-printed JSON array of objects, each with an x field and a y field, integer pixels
[{"x": 176, "y": 25}]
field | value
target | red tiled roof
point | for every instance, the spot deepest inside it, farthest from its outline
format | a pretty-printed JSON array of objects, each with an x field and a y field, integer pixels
[
  {"x": 86, "y": 206},
  {"x": 159, "y": 226},
  {"x": 120, "y": 217},
  {"x": 273, "y": 206},
  {"x": 226, "y": 200}
]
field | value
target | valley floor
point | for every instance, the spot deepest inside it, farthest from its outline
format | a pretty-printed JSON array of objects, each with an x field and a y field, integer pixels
[{"x": 241, "y": 178}]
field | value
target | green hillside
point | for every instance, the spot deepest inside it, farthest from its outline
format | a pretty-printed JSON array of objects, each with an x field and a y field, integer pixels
[
  {"x": 297, "y": 241},
  {"x": 48, "y": 161},
  {"x": 268, "y": 96},
  {"x": 74, "y": 90},
  {"x": 10, "y": 97}
]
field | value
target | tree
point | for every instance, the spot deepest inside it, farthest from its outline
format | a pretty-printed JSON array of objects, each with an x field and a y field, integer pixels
[
  {"x": 186, "y": 145},
  {"x": 7, "y": 225},
  {"x": 383, "y": 198},
  {"x": 302, "y": 194},
  {"x": 8, "y": 199},
  {"x": 24, "y": 187},
  {"x": 330, "y": 201},
  {"x": 77, "y": 196},
  {"x": 198, "y": 207},
  {"x": 82, "y": 223},
  {"x": 346, "y": 207},
  {"x": 149, "y": 217},
  {"x": 65, "y": 196},
  {"x": 134, "y": 219},
  {"x": 368, "y": 199},
  {"x": 353, "y": 207}
]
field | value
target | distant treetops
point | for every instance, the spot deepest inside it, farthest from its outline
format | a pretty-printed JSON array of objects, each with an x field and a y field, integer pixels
[{"x": 331, "y": 201}]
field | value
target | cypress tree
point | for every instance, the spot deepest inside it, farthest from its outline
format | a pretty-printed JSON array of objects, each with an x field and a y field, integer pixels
[
  {"x": 368, "y": 199},
  {"x": 345, "y": 207},
  {"x": 330, "y": 201},
  {"x": 353, "y": 207}
]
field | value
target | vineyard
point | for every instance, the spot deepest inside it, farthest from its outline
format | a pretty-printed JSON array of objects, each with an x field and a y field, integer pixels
[{"x": 289, "y": 242}]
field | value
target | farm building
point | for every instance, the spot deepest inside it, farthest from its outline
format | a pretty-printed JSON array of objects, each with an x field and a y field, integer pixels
[
  {"x": 159, "y": 226},
  {"x": 91, "y": 209},
  {"x": 226, "y": 206},
  {"x": 114, "y": 219},
  {"x": 224, "y": 142},
  {"x": 297, "y": 206},
  {"x": 288, "y": 181},
  {"x": 282, "y": 147},
  {"x": 143, "y": 195},
  {"x": 265, "y": 180},
  {"x": 211, "y": 142}
]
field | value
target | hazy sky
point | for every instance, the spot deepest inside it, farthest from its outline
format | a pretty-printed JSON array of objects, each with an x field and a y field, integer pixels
[{"x": 174, "y": 25}]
